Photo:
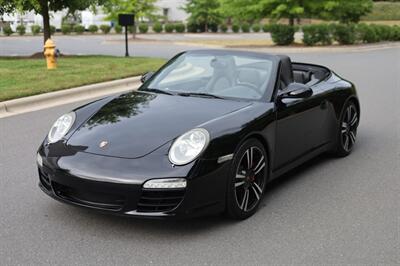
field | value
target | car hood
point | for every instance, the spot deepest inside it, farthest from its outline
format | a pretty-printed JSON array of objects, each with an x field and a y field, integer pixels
[{"x": 137, "y": 123}]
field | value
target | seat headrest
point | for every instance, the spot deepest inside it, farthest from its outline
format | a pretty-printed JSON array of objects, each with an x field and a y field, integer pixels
[
  {"x": 286, "y": 69},
  {"x": 222, "y": 62}
]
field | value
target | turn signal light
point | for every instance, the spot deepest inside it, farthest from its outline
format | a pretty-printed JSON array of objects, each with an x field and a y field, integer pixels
[{"x": 166, "y": 183}]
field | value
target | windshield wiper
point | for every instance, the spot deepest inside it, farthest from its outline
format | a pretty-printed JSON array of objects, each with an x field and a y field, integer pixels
[
  {"x": 158, "y": 91},
  {"x": 200, "y": 94}
]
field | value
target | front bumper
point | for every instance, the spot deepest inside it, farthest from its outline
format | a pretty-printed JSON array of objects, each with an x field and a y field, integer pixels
[{"x": 203, "y": 195}]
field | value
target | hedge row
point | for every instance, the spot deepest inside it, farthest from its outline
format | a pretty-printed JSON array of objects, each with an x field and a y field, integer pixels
[
  {"x": 318, "y": 34},
  {"x": 65, "y": 29},
  {"x": 21, "y": 30},
  {"x": 144, "y": 28},
  {"x": 325, "y": 34}
]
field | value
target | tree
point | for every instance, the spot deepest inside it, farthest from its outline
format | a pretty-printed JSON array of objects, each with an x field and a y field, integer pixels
[
  {"x": 240, "y": 10},
  {"x": 43, "y": 7},
  {"x": 291, "y": 9},
  {"x": 346, "y": 11},
  {"x": 141, "y": 8},
  {"x": 204, "y": 13},
  {"x": 6, "y": 7},
  {"x": 275, "y": 9}
]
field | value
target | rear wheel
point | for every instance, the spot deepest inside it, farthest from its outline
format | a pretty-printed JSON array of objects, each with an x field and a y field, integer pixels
[
  {"x": 347, "y": 132},
  {"x": 247, "y": 180}
]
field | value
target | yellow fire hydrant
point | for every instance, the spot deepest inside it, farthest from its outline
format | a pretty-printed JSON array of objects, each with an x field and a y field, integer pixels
[{"x": 50, "y": 53}]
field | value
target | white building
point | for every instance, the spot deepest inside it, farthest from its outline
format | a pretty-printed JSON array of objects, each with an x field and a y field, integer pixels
[{"x": 171, "y": 9}]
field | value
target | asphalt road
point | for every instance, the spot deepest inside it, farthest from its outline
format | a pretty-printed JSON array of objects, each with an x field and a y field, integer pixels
[{"x": 330, "y": 211}]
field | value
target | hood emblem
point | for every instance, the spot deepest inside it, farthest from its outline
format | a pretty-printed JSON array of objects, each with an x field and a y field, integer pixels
[{"x": 103, "y": 144}]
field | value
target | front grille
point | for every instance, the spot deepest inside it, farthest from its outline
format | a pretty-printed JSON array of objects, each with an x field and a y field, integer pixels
[
  {"x": 94, "y": 199},
  {"x": 44, "y": 179},
  {"x": 160, "y": 200}
]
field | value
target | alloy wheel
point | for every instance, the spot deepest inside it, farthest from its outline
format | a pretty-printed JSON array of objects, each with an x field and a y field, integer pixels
[
  {"x": 250, "y": 179},
  {"x": 349, "y": 128}
]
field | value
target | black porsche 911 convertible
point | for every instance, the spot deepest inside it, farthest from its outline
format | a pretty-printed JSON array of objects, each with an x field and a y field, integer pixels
[{"x": 204, "y": 134}]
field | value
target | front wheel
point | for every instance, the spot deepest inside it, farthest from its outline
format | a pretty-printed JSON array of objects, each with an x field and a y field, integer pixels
[
  {"x": 347, "y": 131},
  {"x": 247, "y": 180}
]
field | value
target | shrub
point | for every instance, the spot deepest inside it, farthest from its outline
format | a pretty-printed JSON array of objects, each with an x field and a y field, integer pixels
[
  {"x": 310, "y": 35},
  {"x": 256, "y": 28},
  {"x": 35, "y": 29},
  {"x": 105, "y": 28},
  {"x": 366, "y": 33},
  {"x": 21, "y": 29},
  {"x": 157, "y": 27},
  {"x": 317, "y": 34},
  {"x": 7, "y": 30},
  {"x": 93, "y": 29},
  {"x": 395, "y": 36},
  {"x": 282, "y": 34},
  {"x": 325, "y": 34},
  {"x": 66, "y": 29},
  {"x": 118, "y": 29},
  {"x": 132, "y": 29},
  {"x": 245, "y": 27},
  {"x": 213, "y": 27},
  {"x": 266, "y": 27},
  {"x": 143, "y": 28},
  {"x": 235, "y": 28},
  {"x": 192, "y": 27},
  {"x": 52, "y": 29},
  {"x": 79, "y": 29},
  {"x": 169, "y": 27},
  {"x": 383, "y": 32},
  {"x": 223, "y": 28},
  {"x": 180, "y": 27},
  {"x": 344, "y": 33}
]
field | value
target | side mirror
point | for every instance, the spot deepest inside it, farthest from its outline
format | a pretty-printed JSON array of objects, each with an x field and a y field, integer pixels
[
  {"x": 295, "y": 91},
  {"x": 146, "y": 76}
]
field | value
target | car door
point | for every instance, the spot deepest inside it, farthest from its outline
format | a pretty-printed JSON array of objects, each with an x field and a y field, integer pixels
[{"x": 299, "y": 127}]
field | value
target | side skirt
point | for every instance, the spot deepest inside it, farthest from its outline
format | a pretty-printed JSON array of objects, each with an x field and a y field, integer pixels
[{"x": 302, "y": 159}]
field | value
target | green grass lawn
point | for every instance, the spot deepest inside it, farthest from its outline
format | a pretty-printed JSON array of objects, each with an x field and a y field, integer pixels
[
  {"x": 384, "y": 11},
  {"x": 26, "y": 77}
]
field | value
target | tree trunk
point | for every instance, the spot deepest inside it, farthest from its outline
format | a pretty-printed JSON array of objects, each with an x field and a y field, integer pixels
[
  {"x": 44, "y": 11},
  {"x": 291, "y": 21}
]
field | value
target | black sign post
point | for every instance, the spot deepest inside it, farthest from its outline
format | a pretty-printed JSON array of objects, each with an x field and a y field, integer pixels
[{"x": 126, "y": 20}]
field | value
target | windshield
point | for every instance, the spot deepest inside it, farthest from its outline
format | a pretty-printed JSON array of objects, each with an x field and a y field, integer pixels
[{"x": 235, "y": 76}]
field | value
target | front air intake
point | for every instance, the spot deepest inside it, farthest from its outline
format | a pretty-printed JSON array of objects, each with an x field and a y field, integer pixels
[{"x": 160, "y": 200}]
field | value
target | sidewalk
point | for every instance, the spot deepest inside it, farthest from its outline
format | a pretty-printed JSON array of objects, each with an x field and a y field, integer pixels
[{"x": 46, "y": 100}]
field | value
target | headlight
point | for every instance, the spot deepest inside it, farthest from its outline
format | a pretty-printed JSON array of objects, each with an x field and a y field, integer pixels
[
  {"x": 189, "y": 146},
  {"x": 61, "y": 127}
]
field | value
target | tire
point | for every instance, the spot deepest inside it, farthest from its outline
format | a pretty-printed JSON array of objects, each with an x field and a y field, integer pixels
[
  {"x": 347, "y": 130},
  {"x": 247, "y": 181}
]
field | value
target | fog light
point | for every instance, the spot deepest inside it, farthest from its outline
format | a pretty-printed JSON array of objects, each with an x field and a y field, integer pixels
[
  {"x": 39, "y": 160},
  {"x": 166, "y": 183}
]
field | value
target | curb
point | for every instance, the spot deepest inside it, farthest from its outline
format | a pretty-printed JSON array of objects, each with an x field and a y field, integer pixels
[
  {"x": 51, "y": 99},
  {"x": 300, "y": 49},
  {"x": 322, "y": 49}
]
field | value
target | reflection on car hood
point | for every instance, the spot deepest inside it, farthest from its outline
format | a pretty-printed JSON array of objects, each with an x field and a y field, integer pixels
[{"x": 135, "y": 124}]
